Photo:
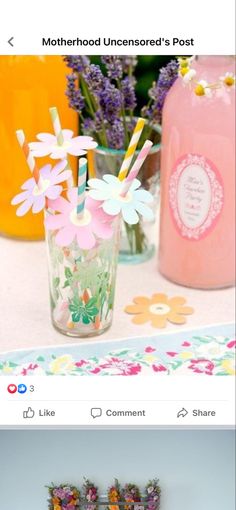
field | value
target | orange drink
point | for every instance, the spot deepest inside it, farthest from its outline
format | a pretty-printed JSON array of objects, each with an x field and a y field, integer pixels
[{"x": 29, "y": 86}]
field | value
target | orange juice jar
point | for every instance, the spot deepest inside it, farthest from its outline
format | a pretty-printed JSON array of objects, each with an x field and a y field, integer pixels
[{"x": 29, "y": 85}]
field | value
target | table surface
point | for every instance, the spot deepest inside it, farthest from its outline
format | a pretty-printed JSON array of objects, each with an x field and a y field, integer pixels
[{"x": 24, "y": 299}]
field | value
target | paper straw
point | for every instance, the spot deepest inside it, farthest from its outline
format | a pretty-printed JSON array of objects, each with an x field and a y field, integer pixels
[
  {"x": 28, "y": 155},
  {"x": 131, "y": 149},
  {"x": 136, "y": 166},
  {"x": 91, "y": 164},
  {"x": 81, "y": 186},
  {"x": 56, "y": 124},
  {"x": 58, "y": 132}
]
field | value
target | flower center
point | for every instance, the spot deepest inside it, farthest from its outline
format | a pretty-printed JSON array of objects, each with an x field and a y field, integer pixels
[
  {"x": 41, "y": 187},
  {"x": 199, "y": 90},
  {"x": 61, "y": 148},
  {"x": 116, "y": 194},
  {"x": 159, "y": 309},
  {"x": 80, "y": 221},
  {"x": 184, "y": 71},
  {"x": 229, "y": 80}
]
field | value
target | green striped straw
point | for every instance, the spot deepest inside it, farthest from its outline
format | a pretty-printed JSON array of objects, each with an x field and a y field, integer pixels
[
  {"x": 82, "y": 174},
  {"x": 58, "y": 132}
]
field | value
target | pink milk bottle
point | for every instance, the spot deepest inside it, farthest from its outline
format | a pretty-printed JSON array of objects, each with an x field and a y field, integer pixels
[{"x": 197, "y": 228}]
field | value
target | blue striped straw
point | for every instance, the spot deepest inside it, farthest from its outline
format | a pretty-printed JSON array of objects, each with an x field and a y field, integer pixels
[{"x": 81, "y": 186}]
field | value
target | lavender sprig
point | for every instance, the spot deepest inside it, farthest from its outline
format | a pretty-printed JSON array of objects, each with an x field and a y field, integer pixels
[
  {"x": 110, "y": 101},
  {"x": 94, "y": 78},
  {"x": 113, "y": 65},
  {"x": 106, "y": 102},
  {"x": 129, "y": 63},
  {"x": 159, "y": 90},
  {"x": 76, "y": 100},
  {"x": 77, "y": 63},
  {"x": 128, "y": 91},
  {"x": 116, "y": 134}
]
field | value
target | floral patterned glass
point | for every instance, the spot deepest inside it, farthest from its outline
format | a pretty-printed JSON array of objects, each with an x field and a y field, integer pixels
[
  {"x": 82, "y": 285},
  {"x": 137, "y": 241}
]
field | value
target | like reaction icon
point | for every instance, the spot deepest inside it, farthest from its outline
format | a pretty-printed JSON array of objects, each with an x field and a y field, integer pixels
[{"x": 22, "y": 388}]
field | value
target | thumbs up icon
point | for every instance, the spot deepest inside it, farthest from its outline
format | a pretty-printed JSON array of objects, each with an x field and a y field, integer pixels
[{"x": 29, "y": 413}]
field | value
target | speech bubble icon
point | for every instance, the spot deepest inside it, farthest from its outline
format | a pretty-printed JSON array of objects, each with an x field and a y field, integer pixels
[{"x": 96, "y": 412}]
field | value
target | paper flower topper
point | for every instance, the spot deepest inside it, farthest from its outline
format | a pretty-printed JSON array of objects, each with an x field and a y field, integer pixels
[
  {"x": 94, "y": 223},
  {"x": 48, "y": 145},
  {"x": 158, "y": 310},
  {"x": 35, "y": 194},
  {"x": 109, "y": 191}
]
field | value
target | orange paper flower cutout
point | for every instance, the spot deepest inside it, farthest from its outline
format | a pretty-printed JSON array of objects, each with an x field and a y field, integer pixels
[{"x": 158, "y": 310}]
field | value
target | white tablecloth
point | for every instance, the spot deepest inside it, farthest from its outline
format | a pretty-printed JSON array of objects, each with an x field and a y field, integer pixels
[{"x": 24, "y": 299}]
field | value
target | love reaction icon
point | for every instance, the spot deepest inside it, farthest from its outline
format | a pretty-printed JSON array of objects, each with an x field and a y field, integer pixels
[{"x": 12, "y": 388}]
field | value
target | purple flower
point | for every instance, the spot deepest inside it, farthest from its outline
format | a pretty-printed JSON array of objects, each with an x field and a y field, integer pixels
[
  {"x": 88, "y": 125},
  {"x": 129, "y": 98},
  {"x": 153, "y": 493},
  {"x": 110, "y": 101},
  {"x": 77, "y": 62},
  {"x": 129, "y": 63},
  {"x": 98, "y": 120},
  {"x": 94, "y": 78},
  {"x": 76, "y": 100},
  {"x": 115, "y": 135},
  {"x": 113, "y": 65},
  {"x": 59, "y": 493},
  {"x": 159, "y": 90},
  {"x": 168, "y": 74}
]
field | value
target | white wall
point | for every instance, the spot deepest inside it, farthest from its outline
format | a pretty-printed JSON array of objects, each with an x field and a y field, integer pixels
[{"x": 195, "y": 467}]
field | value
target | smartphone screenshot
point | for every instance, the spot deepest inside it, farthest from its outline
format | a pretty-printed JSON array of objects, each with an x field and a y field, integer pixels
[{"x": 117, "y": 256}]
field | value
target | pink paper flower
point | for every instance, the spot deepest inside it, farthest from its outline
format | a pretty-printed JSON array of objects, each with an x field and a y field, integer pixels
[
  {"x": 34, "y": 194},
  {"x": 48, "y": 145},
  {"x": 94, "y": 224}
]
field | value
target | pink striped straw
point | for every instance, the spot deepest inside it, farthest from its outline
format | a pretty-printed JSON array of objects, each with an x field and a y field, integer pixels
[
  {"x": 136, "y": 166},
  {"x": 28, "y": 156}
]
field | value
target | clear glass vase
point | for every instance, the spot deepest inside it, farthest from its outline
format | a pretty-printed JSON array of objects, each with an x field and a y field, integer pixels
[
  {"x": 137, "y": 241},
  {"x": 82, "y": 285}
]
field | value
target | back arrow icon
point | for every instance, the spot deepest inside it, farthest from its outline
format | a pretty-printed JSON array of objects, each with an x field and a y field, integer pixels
[{"x": 10, "y": 41}]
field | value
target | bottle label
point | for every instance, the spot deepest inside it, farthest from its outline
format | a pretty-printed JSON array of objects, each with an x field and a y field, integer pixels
[{"x": 196, "y": 196}]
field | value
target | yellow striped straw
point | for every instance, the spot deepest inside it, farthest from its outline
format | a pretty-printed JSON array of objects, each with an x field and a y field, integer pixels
[{"x": 131, "y": 149}]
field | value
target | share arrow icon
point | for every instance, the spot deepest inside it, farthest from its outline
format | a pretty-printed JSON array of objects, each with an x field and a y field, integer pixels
[{"x": 182, "y": 413}]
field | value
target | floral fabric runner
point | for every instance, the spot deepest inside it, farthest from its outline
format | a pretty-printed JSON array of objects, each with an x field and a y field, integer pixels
[{"x": 207, "y": 351}]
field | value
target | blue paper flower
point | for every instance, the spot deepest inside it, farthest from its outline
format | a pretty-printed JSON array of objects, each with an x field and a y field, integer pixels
[{"x": 109, "y": 191}]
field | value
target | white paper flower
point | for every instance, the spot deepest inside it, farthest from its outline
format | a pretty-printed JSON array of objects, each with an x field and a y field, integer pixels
[
  {"x": 109, "y": 191},
  {"x": 48, "y": 145}
]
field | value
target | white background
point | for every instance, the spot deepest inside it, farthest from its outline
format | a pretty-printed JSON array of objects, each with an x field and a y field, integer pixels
[
  {"x": 209, "y": 22},
  {"x": 73, "y": 397}
]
